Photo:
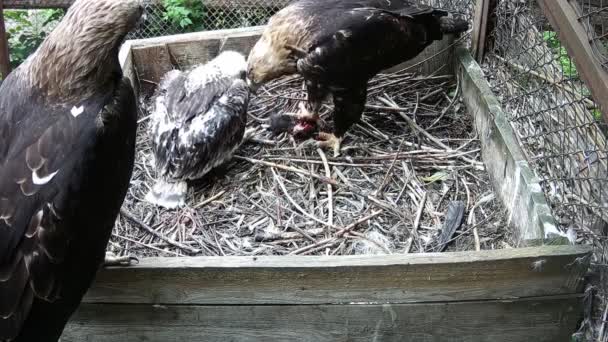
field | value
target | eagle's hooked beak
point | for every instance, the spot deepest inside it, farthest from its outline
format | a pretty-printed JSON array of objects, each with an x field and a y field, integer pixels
[{"x": 253, "y": 87}]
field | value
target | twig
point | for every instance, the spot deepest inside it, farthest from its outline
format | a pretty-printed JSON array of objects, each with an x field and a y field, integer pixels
[
  {"x": 330, "y": 197},
  {"x": 425, "y": 133},
  {"x": 351, "y": 226},
  {"x": 339, "y": 234},
  {"x": 471, "y": 218},
  {"x": 149, "y": 229},
  {"x": 210, "y": 199},
  {"x": 600, "y": 337},
  {"x": 287, "y": 168},
  {"x": 371, "y": 198},
  {"x": 419, "y": 215},
  {"x": 293, "y": 202}
]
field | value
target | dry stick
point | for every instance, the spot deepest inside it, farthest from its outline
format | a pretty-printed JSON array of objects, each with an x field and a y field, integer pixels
[
  {"x": 425, "y": 133},
  {"x": 363, "y": 237},
  {"x": 330, "y": 193},
  {"x": 309, "y": 234},
  {"x": 303, "y": 233},
  {"x": 309, "y": 247},
  {"x": 471, "y": 217},
  {"x": 419, "y": 214},
  {"x": 603, "y": 326},
  {"x": 288, "y": 168},
  {"x": 210, "y": 199},
  {"x": 322, "y": 247},
  {"x": 145, "y": 245},
  {"x": 350, "y": 227},
  {"x": 376, "y": 201},
  {"x": 415, "y": 126},
  {"x": 149, "y": 229},
  {"x": 452, "y": 101},
  {"x": 399, "y": 149},
  {"x": 339, "y": 234},
  {"x": 408, "y": 245},
  {"x": 293, "y": 202}
]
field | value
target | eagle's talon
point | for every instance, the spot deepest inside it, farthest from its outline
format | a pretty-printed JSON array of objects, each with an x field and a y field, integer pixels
[
  {"x": 113, "y": 260},
  {"x": 329, "y": 140}
]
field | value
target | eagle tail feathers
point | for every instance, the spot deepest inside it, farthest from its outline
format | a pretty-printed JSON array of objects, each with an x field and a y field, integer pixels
[
  {"x": 453, "y": 25},
  {"x": 170, "y": 195}
]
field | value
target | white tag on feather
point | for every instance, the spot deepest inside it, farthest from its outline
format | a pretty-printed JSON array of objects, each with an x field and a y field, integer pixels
[{"x": 77, "y": 111}]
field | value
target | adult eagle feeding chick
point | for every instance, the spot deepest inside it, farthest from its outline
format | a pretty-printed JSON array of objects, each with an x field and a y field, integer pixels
[
  {"x": 339, "y": 45},
  {"x": 67, "y": 143},
  {"x": 197, "y": 123}
]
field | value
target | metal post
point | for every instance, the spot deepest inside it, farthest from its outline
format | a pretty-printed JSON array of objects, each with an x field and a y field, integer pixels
[{"x": 5, "y": 66}]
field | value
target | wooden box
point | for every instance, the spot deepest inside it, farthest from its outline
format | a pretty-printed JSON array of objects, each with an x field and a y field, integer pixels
[{"x": 522, "y": 294}]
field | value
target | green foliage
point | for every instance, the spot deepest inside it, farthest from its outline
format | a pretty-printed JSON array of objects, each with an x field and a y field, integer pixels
[
  {"x": 562, "y": 55},
  {"x": 597, "y": 114},
  {"x": 186, "y": 14},
  {"x": 27, "y": 29}
]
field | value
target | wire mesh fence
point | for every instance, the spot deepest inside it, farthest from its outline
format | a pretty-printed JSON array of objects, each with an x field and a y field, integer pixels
[
  {"x": 593, "y": 14},
  {"x": 555, "y": 117}
]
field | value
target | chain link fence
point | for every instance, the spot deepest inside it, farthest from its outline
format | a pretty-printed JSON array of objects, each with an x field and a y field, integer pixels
[
  {"x": 162, "y": 19},
  {"x": 593, "y": 14},
  {"x": 556, "y": 119}
]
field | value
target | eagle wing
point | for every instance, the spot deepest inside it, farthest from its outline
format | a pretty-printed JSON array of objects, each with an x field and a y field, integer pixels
[
  {"x": 44, "y": 156},
  {"x": 214, "y": 136},
  {"x": 361, "y": 38},
  {"x": 186, "y": 95}
]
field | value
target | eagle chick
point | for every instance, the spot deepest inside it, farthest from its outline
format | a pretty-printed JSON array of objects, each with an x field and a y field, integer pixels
[{"x": 198, "y": 121}]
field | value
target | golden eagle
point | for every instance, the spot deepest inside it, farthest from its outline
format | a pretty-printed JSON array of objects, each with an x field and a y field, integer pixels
[
  {"x": 68, "y": 121},
  {"x": 339, "y": 45}
]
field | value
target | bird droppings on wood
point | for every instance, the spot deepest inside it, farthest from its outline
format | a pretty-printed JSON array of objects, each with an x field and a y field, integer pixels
[{"x": 413, "y": 154}]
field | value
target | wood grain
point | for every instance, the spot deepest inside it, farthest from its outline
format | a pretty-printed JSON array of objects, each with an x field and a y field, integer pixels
[
  {"x": 511, "y": 273},
  {"x": 538, "y": 319},
  {"x": 154, "y": 57}
]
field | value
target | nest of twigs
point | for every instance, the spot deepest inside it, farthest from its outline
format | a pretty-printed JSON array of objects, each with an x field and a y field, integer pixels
[{"x": 409, "y": 180}]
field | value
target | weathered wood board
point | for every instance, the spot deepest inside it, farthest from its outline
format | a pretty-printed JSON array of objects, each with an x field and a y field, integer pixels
[
  {"x": 537, "y": 319},
  {"x": 513, "y": 179},
  {"x": 499, "y": 274},
  {"x": 154, "y": 57}
]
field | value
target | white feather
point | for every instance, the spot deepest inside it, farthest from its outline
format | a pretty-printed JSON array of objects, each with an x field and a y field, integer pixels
[{"x": 41, "y": 181}]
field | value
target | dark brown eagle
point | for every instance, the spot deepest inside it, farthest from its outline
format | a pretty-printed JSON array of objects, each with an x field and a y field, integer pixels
[
  {"x": 339, "y": 45},
  {"x": 67, "y": 143}
]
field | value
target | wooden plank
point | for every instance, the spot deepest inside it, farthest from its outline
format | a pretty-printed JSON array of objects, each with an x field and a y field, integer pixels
[
  {"x": 500, "y": 274},
  {"x": 483, "y": 24},
  {"x": 153, "y": 57},
  {"x": 478, "y": 36},
  {"x": 5, "y": 62},
  {"x": 538, "y": 319},
  {"x": 564, "y": 19},
  {"x": 512, "y": 177},
  {"x": 125, "y": 58}
]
